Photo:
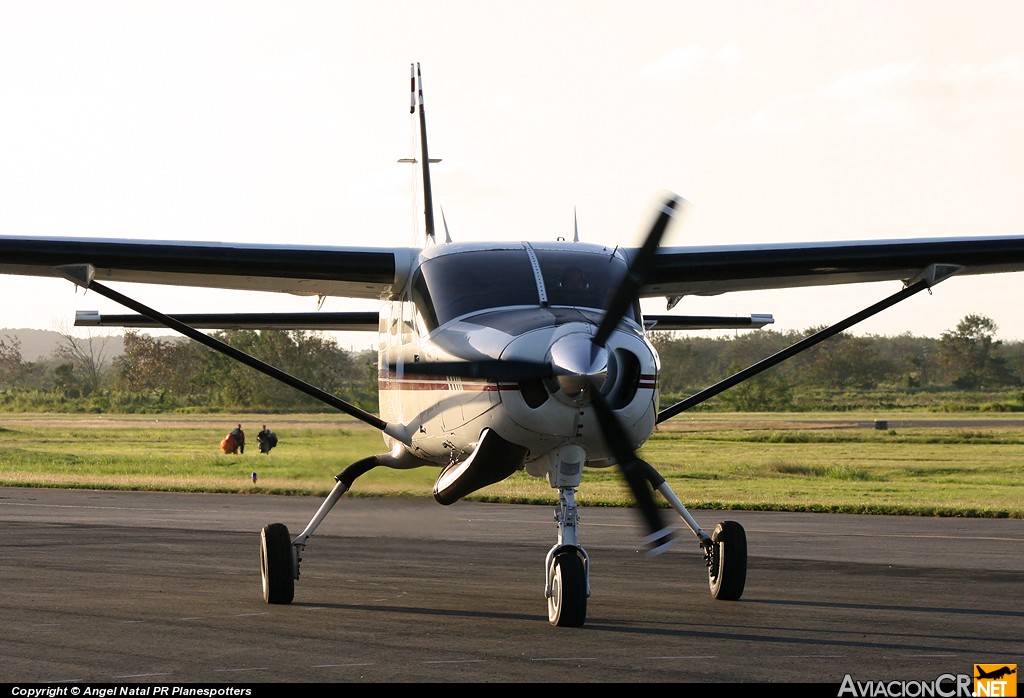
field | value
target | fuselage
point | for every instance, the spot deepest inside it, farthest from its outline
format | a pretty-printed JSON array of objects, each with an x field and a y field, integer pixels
[{"x": 514, "y": 302}]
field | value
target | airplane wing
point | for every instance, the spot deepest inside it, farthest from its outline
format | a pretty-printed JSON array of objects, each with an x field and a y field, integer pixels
[
  {"x": 366, "y": 272},
  {"x": 302, "y": 270},
  {"x": 682, "y": 271}
]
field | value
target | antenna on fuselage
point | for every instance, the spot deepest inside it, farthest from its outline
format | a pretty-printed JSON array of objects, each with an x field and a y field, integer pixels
[
  {"x": 447, "y": 235},
  {"x": 428, "y": 199}
]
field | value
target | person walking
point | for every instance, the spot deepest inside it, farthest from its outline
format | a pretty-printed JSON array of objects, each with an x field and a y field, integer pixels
[
  {"x": 266, "y": 439},
  {"x": 239, "y": 438}
]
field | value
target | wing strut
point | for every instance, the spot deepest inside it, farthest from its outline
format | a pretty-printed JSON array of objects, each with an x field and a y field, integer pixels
[
  {"x": 82, "y": 275},
  {"x": 928, "y": 278}
]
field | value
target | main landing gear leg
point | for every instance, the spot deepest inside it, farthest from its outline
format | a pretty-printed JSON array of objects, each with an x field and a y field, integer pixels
[
  {"x": 725, "y": 550},
  {"x": 280, "y": 555}
]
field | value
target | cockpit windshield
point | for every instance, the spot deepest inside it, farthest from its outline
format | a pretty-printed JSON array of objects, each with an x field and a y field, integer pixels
[
  {"x": 579, "y": 279},
  {"x": 453, "y": 285}
]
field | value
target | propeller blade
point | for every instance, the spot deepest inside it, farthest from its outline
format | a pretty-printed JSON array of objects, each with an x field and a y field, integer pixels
[
  {"x": 634, "y": 469},
  {"x": 491, "y": 369},
  {"x": 661, "y": 536},
  {"x": 628, "y": 290}
]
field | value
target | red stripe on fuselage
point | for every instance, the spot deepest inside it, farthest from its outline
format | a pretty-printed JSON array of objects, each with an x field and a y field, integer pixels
[
  {"x": 456, "y": 385},
  {"x": 646, "y": 382}
]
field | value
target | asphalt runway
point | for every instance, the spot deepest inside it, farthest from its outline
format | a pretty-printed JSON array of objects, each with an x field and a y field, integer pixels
[{"x": 164, "y": 588}]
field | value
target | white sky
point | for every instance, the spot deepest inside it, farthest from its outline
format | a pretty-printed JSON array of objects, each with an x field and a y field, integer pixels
[{"x": 283, "y": 121}]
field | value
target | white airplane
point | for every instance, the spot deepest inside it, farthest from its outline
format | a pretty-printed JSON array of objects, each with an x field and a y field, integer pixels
[{"x": 501, "y": 357}]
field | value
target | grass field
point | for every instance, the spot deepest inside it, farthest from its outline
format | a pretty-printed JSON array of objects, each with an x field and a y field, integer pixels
[{"x": 914, "y": 464}]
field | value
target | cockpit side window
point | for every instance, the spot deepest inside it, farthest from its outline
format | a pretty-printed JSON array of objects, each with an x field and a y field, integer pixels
[{"x": 450, "y": 286}]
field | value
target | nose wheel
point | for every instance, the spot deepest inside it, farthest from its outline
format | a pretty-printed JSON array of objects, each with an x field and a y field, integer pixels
[{"x": 567, "y": 601}]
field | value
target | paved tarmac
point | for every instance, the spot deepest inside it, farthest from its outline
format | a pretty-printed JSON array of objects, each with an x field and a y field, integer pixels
[{"x": 146, "y": 588}]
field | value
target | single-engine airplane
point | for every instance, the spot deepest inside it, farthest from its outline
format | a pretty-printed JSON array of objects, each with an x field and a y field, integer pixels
[{"x": 500, "y": 357}]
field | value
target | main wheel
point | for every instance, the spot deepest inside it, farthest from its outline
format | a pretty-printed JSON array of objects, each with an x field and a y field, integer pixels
[
  {"x": 567, "y": 606},
  {"x": 727, "y": 573},
  {"x": 277, "y": 564}
]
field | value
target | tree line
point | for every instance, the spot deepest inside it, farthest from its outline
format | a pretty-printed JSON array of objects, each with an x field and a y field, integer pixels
[
  {"x": 845, "y": 372},
  {"x": 156, "y": 374}
]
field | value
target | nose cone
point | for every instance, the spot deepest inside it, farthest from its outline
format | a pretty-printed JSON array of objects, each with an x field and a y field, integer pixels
[{"x": 579, "y": 365}]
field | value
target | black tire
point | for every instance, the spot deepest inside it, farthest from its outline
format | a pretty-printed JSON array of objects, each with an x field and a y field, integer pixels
[
  {"x": 277, "y": 564},
  {"x": 567, "y": 607},
  {"x": 727, "y": 574}
]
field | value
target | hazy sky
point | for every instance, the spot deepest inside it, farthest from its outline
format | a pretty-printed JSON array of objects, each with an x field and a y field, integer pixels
[{"x": 283, "y": 122}]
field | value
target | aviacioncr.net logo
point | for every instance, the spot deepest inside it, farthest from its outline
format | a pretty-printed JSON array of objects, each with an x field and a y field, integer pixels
[
  {"x": 995, "y": 680},
  {"x": 988, "y": 681},
  {"x": 944, "y": 686}
]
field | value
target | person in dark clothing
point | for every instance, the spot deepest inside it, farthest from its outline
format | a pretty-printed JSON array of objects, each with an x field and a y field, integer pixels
[
  {"x": 239, "y": 438},
  {"x": 267, "y": 439}
]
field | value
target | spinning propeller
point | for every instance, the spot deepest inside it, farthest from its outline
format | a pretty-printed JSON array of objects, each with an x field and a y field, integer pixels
[
  {"x": 581, "y": 369},
  {"x": 615, "y": 435}
]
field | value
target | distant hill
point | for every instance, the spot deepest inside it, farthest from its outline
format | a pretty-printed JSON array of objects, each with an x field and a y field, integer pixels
[{"x": 40, "y": 344}]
